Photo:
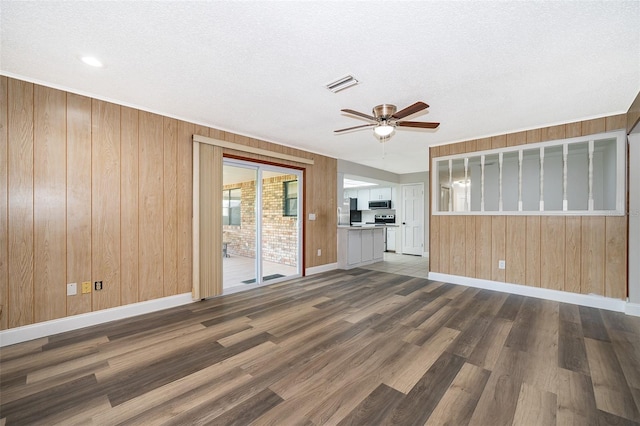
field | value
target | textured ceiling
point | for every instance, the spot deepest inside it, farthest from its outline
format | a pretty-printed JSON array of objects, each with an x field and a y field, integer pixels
[{"x": 259, "y": 68}]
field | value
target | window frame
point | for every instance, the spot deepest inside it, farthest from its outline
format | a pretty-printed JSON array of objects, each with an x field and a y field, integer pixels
[
  {"x": 227, "y": 220},
  {"x": 287, "y": 211},
  {"x": 620, "y": 178}
]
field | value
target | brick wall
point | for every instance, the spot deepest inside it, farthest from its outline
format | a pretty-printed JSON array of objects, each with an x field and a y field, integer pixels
[{"x": 278, "y": 232}]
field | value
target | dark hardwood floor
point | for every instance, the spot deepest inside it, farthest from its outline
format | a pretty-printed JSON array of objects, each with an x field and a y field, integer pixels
[{"x": 344, "y": 347}]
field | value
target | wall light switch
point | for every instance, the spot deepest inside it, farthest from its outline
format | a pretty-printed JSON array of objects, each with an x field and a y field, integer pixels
[
  {"x": 319, "y": 252},
  {"x": 501, "y": 264},
  {"x": 312, "y": 216},
  {"x": 72, "y": 289}
]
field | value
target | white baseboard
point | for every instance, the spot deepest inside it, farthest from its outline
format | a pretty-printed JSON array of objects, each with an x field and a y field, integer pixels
[
  {"x": 322, "y": 268},
  {"x": 590, "y": 300},
  {"x": 48, "y": 328},
  {"x": 633, "y": 309}
]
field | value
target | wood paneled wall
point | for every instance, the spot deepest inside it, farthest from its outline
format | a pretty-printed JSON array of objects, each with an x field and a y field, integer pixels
[
  {"x": 579, "y": 254},
  {"x": 91, "y": 190},
  {"x": 633, "y": 115}
]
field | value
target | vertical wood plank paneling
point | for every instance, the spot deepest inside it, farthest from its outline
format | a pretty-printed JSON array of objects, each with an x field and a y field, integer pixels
[
  {"x": 49, "y": 164},
  {"x": 329, "y": 193},
  {"x": 615, "y": 284},
  {"x": 445, "y": 244},
  {"x": 105, "y": 191},
  {"x": 483, "y": 247},
  {"x": 515, "y": 249},
  {"x": 552, "y": 133},
  {"x": 4, "y": 200},
  {"x": 101, "y": 217},
  {"x": 573, "y": 246},
  {"x": 470, "y": 246},
  {"x": 217, "y": 134},
  {"x": 483, "y": 144},
  {"x": 498, "y": 141},
  {"x": 573, "y": 130},
  {"x": 20, "y": 212},
  {"x": 633, "y": 114},
  {"x": 592, "y": 255},
  {"x": 552, "y": 250},
  {"x": 201, "y": 130},
  {"x": 615, "y": 122},
  {"x": 457, "y": 148},
  {"x": 129, "y": 206},
  {"x": 532, "y": 271},
  {"x": 435, "y": 251},
  {"x": 170, "y": 174},
  {"x": 150, "y": 224},
  {"x": 210, "y": 259},
  {"x": 185, "y": 205},
  {"x": 597, "y": 125},
  {"x": 498, "y": 237},
  {"x": 78, "y": 200},
  {"x": 534, "y": 136},
  {"x": 458, "y": 251},
  {"x": 519, "y": 138},
  {"x": 470, "y": 146}
]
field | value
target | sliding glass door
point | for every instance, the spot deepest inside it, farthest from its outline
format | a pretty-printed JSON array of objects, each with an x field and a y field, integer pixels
[{"x": 261, "y": 227}]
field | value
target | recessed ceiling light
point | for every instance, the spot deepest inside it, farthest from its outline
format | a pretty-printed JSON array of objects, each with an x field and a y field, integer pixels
[{"x": 90, "y": 60}]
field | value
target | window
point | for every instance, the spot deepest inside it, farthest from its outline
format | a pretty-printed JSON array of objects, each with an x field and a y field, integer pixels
[
  {"x": 231, "y": 206},
  {"x": 577, "y": 176},
  {"x": 290, "y": 199}
]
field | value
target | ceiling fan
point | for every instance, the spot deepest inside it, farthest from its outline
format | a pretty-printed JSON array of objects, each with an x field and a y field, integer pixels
[{"x": 386, "y": 118}]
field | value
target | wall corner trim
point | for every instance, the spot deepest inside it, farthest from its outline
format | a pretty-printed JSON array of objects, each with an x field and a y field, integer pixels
[
  {"x": 322, "y": 268},
  {"x": 48, "y": 328},
  {"x": 591, "y": 300}
]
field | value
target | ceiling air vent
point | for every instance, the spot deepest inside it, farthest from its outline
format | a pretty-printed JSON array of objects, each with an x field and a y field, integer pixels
[{"x": 342, "y": 83}]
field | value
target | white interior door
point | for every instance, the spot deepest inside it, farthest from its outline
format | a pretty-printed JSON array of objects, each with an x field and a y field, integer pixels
[{"x": 412, "y": 218}]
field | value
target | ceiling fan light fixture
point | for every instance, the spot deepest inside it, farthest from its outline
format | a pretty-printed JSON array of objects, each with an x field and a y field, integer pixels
[{"x": 383, "y": 130}]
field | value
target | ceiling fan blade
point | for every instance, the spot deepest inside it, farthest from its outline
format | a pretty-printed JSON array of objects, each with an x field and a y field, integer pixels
[
  {"x": 360, "y": 114},
  {"x": 420, "y": 124},
  {"x": 355, "y": 127},
  {"x": 411, "y": 109}
]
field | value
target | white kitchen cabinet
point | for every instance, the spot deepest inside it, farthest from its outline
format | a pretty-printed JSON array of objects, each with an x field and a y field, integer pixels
[
  {"x": 363, "y": 199},
  {"x": 378, "y": 244},
  {"x": 359, "y": 246},
  {"x": 350, "y": 193},
  {"x": 391, "y": 239},
  {"x": 380, "y": 194},
  {"x": 367, "y": 245},
  {"x": 354, "y": 250}
]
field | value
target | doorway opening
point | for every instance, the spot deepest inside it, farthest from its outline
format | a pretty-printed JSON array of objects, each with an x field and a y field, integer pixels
[{"x": 261, "y": 226}]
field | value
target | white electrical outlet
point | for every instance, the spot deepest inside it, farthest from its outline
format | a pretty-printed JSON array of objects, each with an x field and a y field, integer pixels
[
  {"x": 501, "y": 264},
  {"x": 319, "y": 252},
  {"x": 72, "y": 289}
]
